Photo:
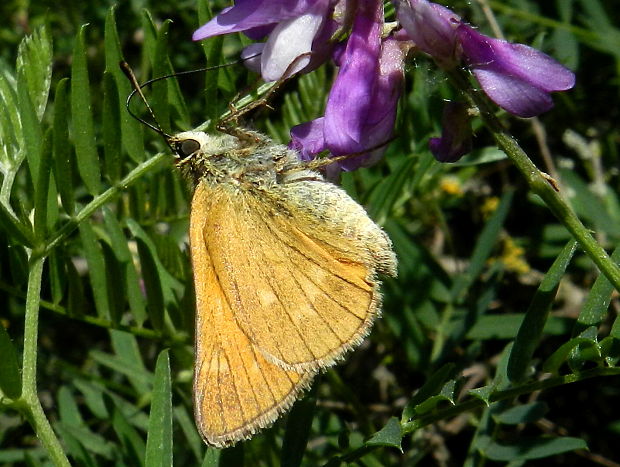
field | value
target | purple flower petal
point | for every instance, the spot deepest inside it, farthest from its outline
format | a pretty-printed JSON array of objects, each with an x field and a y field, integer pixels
[
  {"x": 349, "y": 100},
  {"x": 456, "y": 136},
  {"x": 252, "y": 56},
  {"x": 379, "y": 124},
  {"x": 288, "y": 41},
  {"x": 432, "y": 28},
  {"x": 515, "y": 60},
  {"x": 248, "y": 14},
  {"x": 514, "y": 94},
  {"x": 307, "y": 139}
]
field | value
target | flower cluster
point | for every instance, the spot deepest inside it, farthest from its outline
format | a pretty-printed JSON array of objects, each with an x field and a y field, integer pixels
[{"x": 361, "y": 107}]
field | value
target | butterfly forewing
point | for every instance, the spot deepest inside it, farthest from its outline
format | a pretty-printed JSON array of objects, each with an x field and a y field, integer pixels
[{"x": 236, "y": 390}]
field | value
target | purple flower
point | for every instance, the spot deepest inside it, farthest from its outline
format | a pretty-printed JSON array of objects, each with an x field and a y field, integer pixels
[
  {"x": 432, "y": 28},
  {"x": 516, "y": 77},
  {"x": 361, "y": 107},
  {"x": 455, "y": 140},
  {"x": 294, "y": 27}
]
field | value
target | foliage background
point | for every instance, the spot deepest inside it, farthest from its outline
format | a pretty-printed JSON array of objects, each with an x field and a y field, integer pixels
[{"x": 474, "y": 248}]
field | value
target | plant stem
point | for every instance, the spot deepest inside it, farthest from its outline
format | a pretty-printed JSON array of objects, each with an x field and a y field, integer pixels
[
  {"x": 473, "y": 403},
  {"x": 29, "y": 402},
  {"x": 539, "y": 183}
]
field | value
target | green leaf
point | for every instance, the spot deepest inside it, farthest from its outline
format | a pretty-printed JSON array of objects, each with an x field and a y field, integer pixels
[
  {"x": 82, "y": 119},
  {"x": 526, "y": 413},
  {"x": 111, "y": 129},
  {"x": 131, "y": 129},
  {"x": 527, "y": 449},
  {"x": 31, "y": 128},
  {"x": 506, "y": 326},
  {"x": 10, "y": 380},
  {"x": 93, "y": 398},
  {"x": 481, "y": 156},
  {"x": 555, "y": 361},
  {"x": 597, "y": 301},
  {"x": 160, "y": 99},
  {"x": 298, "y": 424},
  {"x": 118, "y": 242},
  {"x": 62, "y": 154},
  {"x": 188, "y": 426},
  {"x": 159, "y": 438},
  {"x": 68, "y": 408},
  {"x": 133, "y": 371},
  {"x": 447, "y": 393},
  {"x": 587, "y": 352},
  {"x": 34, "y": 60},
  {"x": 92, "y": 442},
  {"x": 536, "y": 316},
  {"x": 44, "y": 214},
  {"x": 484, "y": 393},
  {"x": 57, "y": 274},
  {"x": 127, "y": 350},
  {"x": 96, "y": 268},
  {"x": 10, "y": 123},
  {"x": 131, "y": 441},
  {"x": 152, "y": 285},
  {"x": 385, "y": 195},
  {"x": 115, "y": 278},
  {"x": 390, "y": 435},
  {"x": 212, "y": 458},
  {"x": 16, "y": 230},
  {"x": 430, "y": 388},
  {"x": 158, "y": 282}
]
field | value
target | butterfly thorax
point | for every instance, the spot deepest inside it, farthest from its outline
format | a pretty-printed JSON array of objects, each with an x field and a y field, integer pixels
[{"x": 251, "y": 161}]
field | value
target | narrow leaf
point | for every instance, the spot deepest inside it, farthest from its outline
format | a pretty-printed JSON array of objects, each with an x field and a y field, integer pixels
[
  {"x": 597, "y": 301},
  {"x": 22, "y": 234},
  {"x": 10, "y": 380},
  {"x": 34, "y": 60},
  {"x": 82, "y": 119},
  {"x": 111, "y": 128},
  {"x": 96, "y": 269},
  {"x": 159, "y": 438},
  {"x": 188, "y": 426},
  {"x": 532, "y": 326},
  {"x": 526, "y": 413},
  {"x": 132, "y": 443},
  {"x": 126, "y": 348},
  {"x": 527, "y": 449},
  {"x": 62, "y": 154},
  {"x": 42, "y": 189},
  {"x": 298, "y": 426},
  {"x": 131, "y": 129},
  {"x": 31, "y": 128}
]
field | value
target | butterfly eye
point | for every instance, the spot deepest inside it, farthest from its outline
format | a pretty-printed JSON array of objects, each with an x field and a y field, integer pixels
[{"x": 187, "y": 148}]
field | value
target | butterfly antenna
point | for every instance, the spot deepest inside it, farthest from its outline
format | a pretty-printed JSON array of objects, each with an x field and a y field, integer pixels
[{"x": 137, "y": 89}]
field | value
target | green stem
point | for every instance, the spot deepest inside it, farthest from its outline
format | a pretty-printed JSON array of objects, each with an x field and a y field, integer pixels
[
  {"x": 98, "y": 202},
  {"x": 474, "y": 403},
  {"x": 540, "y": 184},
  {"x": 29, "y": 402}
]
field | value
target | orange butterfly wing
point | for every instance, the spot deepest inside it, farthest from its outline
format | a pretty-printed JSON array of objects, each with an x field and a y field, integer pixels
[{"x": 236, "y": 390}]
